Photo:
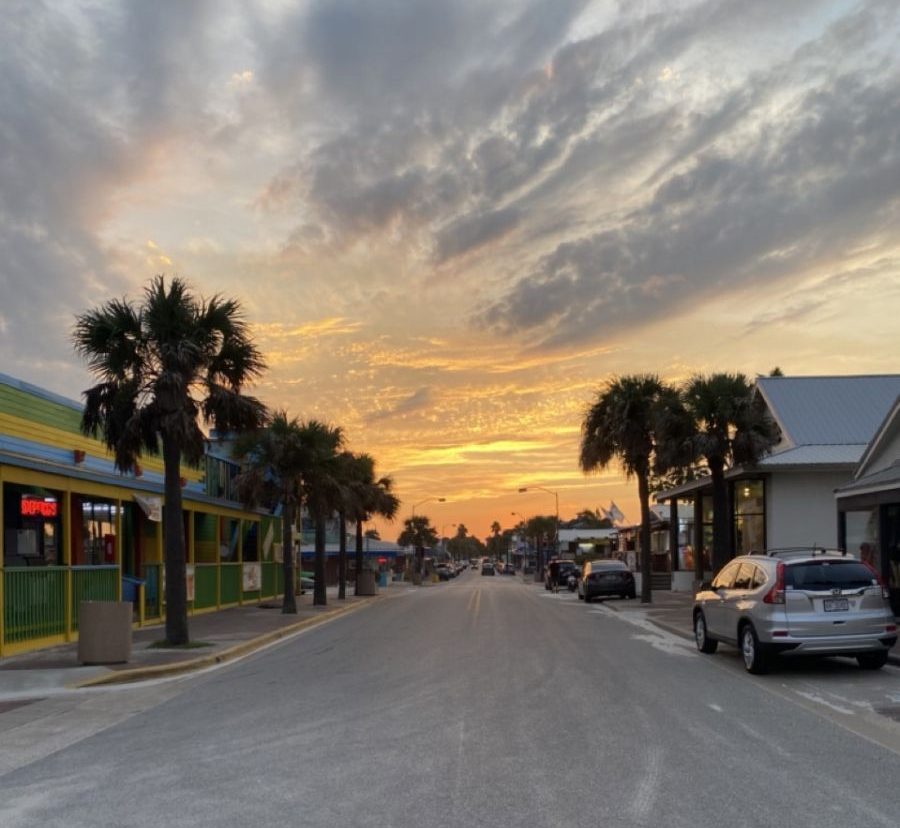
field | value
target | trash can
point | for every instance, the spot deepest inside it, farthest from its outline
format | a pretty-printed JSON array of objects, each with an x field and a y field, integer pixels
[
  {"x": 366, "y": 583},
  {"x": 104, "y": 632}
]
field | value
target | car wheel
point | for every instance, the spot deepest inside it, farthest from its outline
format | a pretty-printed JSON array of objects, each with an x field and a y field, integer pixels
[
  {"x": 632, "y": 595},
  {"x": 580, "y": 597},
  {"x": 755, "y": 657},
  {"x": 872, "y": 661},
  {"x": 587, "y": 598},
  {"x": 701, "y": 638}
]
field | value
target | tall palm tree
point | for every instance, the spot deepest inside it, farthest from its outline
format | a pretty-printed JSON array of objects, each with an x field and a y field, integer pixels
[
  {"x": 728, "y": 429},
  {"x": 161, "y": 366},
  {"x": 371, "y": 497},
  {"x": 274, "y": 460},
  {"x": 321, "y": 489},
  {"x": 624, "y": 424},
  {"x": 419, "y": 534}
]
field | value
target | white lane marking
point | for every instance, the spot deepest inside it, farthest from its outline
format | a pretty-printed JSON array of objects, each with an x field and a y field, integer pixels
[
  {"x": 815, "y": 697},
  {"x": 715, "y": 707}
]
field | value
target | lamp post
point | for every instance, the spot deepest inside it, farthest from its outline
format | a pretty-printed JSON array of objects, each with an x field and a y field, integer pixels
[
  {"x": 556, "y": 533},
  {"x": 443, "y": 542},
  {"x": 525, "y": 556}
]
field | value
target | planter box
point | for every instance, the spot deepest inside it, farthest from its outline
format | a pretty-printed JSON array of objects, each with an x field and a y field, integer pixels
[
  {"x": 104, "y": 632},
  {"x": 367, "y": 585}
]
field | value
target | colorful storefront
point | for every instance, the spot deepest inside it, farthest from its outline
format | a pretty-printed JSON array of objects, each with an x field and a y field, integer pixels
[{"x": 75, "y": 529}]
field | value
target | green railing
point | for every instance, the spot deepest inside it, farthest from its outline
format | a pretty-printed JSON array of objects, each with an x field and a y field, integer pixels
[
  {"x": 205, "y": 588},
  {"x": 34, "y": 603},
  {"x": 230, "y": 576},
  {"x": 93, "y": 583},
  {"x": 268, "y": 578},
  {"x": 152, "y": 587}
]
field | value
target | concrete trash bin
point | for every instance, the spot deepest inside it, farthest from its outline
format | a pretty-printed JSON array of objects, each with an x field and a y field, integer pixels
[
  {"x": 367, "y": 585},
  {"x": 104, "y": 632}
]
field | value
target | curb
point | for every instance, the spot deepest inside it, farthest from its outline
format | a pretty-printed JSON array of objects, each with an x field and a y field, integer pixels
[{"x": 228, "y": 654}]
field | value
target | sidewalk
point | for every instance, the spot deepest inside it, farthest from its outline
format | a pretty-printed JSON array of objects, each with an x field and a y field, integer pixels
[
  {"x": 672, "y": 612},
  {"x": 226, "y": 635}
]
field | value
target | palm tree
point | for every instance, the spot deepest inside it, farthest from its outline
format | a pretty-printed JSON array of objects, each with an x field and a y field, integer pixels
[
  {"x": 321, "y": 489},
  {"x": 728, "y": 429},
  {"x": 623, "y": 424},
  {"x": 274, "y": 461},
  {"x": 370, "y": 496},
  {"x": 420, "y": 534},
  {"x": 161, "y": 366}
]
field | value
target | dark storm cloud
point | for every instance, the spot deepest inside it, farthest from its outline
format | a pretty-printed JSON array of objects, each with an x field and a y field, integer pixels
[{"x": 470, "y": 232}]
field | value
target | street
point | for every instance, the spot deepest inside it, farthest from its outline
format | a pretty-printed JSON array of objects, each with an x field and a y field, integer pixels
[{"x": 479, "y": 702}]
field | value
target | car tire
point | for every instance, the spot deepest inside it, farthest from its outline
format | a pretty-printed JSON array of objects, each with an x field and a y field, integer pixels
[
  {"x": 704, "y": 643},
  {"x": 872, "y": 661},
  {"x": 580, "y": 597},
  {"x": 755, "y": 655},
  {"x": 632, "y": 595},
  {"x": 587, "y": 598}
]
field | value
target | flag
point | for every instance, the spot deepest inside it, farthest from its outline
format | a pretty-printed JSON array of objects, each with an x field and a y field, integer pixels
[{"x": 614, "y": 513}]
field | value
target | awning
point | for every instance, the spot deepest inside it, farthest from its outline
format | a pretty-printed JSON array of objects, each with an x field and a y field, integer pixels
[{"x": 152, "y": 506}]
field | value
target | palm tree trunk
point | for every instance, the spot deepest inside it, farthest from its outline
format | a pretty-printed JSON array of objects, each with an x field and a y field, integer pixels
[
  {"x": 720, "y": 550},
  {"x": 359, "y": 554},
  {"x": 173, "y": 540},
  {"x": 342, "y": 556},
  {"x": 319, "y": 595},
  {"x": 289, "y": 602},
  {"x": 644, "y": 497}
]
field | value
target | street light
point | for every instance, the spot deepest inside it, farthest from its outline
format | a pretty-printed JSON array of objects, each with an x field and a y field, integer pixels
[
  {"x": 556, "y": 496},
  {"x": 427, "y": 500},
  {"x": 443, "y": 542},
  {"x": 525, "y": 554}
]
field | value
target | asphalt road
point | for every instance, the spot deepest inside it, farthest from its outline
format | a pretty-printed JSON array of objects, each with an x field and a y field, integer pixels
[{"x": 481, "y": 702}]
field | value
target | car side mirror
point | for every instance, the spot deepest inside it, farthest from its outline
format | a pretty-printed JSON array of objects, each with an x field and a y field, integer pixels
[{"x": 705, "y": 585}]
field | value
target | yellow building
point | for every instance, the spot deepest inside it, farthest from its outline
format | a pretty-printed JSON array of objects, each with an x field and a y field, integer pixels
[{"x": 76, "y": 529}]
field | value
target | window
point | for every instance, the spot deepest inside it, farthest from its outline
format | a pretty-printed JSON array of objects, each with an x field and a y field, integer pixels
[
  {"x": 725, "y": 578},
  {"x": 744, "y": 578},
  {"x": 749, "y": 516},
  {"x": 827, "y": 575},
  {"x": 759, "y": 577}
]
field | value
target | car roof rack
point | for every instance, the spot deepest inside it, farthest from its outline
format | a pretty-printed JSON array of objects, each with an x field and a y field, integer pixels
[{"x": 811, "y": 551}]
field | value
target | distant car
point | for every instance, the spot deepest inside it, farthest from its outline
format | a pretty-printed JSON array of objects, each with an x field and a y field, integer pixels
[
  {"x": 487, "y": 568},
  {"x": 604, "y": 578},
  {"x": 509, "y": 569},
  {"x": 796, "y": 602}
]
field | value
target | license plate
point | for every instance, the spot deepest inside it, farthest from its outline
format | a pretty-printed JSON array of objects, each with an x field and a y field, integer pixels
[{"x": 836, "y": 605}]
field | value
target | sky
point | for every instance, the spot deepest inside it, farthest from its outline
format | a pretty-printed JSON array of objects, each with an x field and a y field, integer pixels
[{"x": 449, "y": 222}]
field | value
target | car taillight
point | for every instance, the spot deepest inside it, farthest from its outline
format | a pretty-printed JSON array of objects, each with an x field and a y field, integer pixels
[
  {"x": 776, "y": 594},
  {"x": 879, "y": 580},
  {"x": 891, "y": 628}
]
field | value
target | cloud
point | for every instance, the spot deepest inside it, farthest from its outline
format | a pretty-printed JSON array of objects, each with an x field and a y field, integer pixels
[{"x": 421, "y": 399}]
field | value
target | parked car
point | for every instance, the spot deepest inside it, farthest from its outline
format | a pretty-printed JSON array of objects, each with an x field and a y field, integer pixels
[
  {"x": 796, "y": 602},
  {"x": 604, "y": 578},
  {"x": 487, "y": 568},
  {"x": 443, "y": 572}
]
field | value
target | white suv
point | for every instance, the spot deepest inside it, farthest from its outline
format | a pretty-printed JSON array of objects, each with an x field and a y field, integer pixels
[{"x": 796, "y": 602}]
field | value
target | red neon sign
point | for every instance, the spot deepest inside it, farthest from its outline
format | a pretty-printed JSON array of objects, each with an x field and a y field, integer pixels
[{"x": 32, "y": 506}]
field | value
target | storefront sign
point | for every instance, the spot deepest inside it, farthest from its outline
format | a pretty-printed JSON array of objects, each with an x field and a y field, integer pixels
[{"x": 33, "y": 506}]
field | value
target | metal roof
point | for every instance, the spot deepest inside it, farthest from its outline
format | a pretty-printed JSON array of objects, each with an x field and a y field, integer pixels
[
  {"x": 827, "y": 455},
  {"x": 888, "y": 478},
  {"x": 821, "y": 411}
]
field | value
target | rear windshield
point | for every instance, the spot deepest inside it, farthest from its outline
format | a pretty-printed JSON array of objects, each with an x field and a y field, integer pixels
[{"x": 821, "y": 575}]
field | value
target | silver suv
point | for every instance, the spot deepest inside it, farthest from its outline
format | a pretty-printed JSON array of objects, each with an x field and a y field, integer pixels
[{"x": 797, "y": 601}]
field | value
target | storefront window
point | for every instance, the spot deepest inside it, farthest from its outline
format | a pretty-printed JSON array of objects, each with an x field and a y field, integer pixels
[
  {"x": 862, "y": 536},
  {"x": 94, "y": 531},
  {"x": 250, "y": 545},
  {"x": 32, "y": 526},
  {"x": 749, "y": 516},
  {"x": 228, "y": 539}
]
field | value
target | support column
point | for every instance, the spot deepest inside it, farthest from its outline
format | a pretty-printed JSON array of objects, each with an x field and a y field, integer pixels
[
  {"x": 699, "y": 568},
  {"x": 673, "y": 532}
]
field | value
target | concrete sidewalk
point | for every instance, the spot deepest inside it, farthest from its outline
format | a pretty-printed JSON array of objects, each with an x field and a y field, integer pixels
[
  {"x": 217, "y": 636},
  {"x": 672, "y": 612}
]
